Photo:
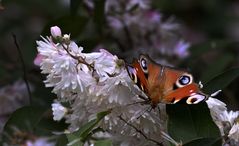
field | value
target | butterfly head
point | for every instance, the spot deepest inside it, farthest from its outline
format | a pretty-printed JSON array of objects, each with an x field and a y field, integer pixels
[{"x": 164, "y": 84}]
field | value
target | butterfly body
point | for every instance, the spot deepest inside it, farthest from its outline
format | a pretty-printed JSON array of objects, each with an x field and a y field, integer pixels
[{"x": 164, "y": 84}]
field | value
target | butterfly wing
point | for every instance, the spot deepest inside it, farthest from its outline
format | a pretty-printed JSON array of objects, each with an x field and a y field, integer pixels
[
  {"x": 174, "y": 92},
  {"x": 164, "y": 84},
  {"x": 138, "y": 76}
]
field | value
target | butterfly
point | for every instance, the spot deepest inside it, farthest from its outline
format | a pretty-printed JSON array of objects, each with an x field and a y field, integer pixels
[{"x": 163, "y": 84}]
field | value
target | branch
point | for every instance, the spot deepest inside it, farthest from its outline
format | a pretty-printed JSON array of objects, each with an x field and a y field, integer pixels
[
  {"x": 140, "y": 132},
  {"x": 23, "y": 67},
  {"x": 78, "y": 58}
]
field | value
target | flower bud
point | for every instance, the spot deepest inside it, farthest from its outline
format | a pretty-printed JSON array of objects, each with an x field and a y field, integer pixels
[
  {"x": 66, "y": 39},
  {"x": 38, "y": 59},
  {"x": 55, "y": 31}
]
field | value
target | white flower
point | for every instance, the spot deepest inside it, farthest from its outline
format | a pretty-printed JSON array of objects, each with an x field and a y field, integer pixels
[
  {"x": 226, "y": 121},
  {"x": 105, "y": 63},
  {"x": 39, "y": 142},
  {"x": 234, "y": 132},
  {"x": 55, "y": 31},
  {"x": 229, "y": 116},
  {"x": 59, "y": 111},
  {"x": 216, "y": 106}
]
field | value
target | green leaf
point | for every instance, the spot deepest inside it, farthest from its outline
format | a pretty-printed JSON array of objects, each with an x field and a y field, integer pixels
[
  {"x": 217, "y": 66},
  {"x": 189, "y": 122},
  {"x": 205, "y": 142},
  {"x": 74, "y": 140},
  {"x": 103, "y": 143},
  {"x": 74, "y": 5},
  {"x": 82, "y": 134},
  {"x": 220, "y": 81},
  {"x": 25, "y": 119}
]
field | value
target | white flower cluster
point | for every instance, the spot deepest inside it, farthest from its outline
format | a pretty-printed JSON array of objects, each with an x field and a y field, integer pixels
[
  {"x": 137, "y": 26},
  {"x": 227, "y": 121},
  {"x": 92, "y": 83},
  {"x": 96, "y": 82}
]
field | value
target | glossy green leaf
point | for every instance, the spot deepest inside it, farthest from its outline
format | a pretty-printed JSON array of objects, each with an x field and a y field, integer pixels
[
  {"x": 25, "y": 119},
  {"x": 103, "y": 143},
  {"x": 74, "y": 140},
  {"x": 222, "y": 80},
  {"x": 189, "y": 122},
  {"x": 205, "y": 142}
]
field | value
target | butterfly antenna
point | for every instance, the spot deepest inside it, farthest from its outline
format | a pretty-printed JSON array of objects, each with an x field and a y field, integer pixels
[
  {"x": 138, "y": 102},
  {"x": 213, "y": 94}
]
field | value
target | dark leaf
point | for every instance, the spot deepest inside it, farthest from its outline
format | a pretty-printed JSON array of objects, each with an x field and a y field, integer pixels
[
  {"x": 46, "y": 125},
  {"x": 216, "y": 67},
  {"x": 205, "y": 142},
  {"x": 189, "y": 122},
  {"x": 221, "y": 81},
  {"x": 25, "y": 119}
]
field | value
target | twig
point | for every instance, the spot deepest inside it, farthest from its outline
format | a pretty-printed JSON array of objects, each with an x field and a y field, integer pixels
[
  {"x": 78, "y": 58},
  {"x": 23, "y": 67},
  {"x": 140, "y": 132}
]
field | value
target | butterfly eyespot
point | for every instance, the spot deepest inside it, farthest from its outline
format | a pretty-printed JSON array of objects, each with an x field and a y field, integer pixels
[
  {"x": 144, "y": 64},
  {"x": 194, "y": 99},
  {"x": 132, "y": 73},
  {"x": 184, "y": 80}
]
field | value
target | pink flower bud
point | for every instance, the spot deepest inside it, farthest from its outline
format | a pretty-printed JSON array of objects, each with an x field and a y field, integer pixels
[
  {"x": 55, "y": 31},
  {"x": 38, "y": 59}
]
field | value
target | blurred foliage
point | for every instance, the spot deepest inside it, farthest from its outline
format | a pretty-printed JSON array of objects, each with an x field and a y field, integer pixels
[{"x": 209, "y": 25}]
